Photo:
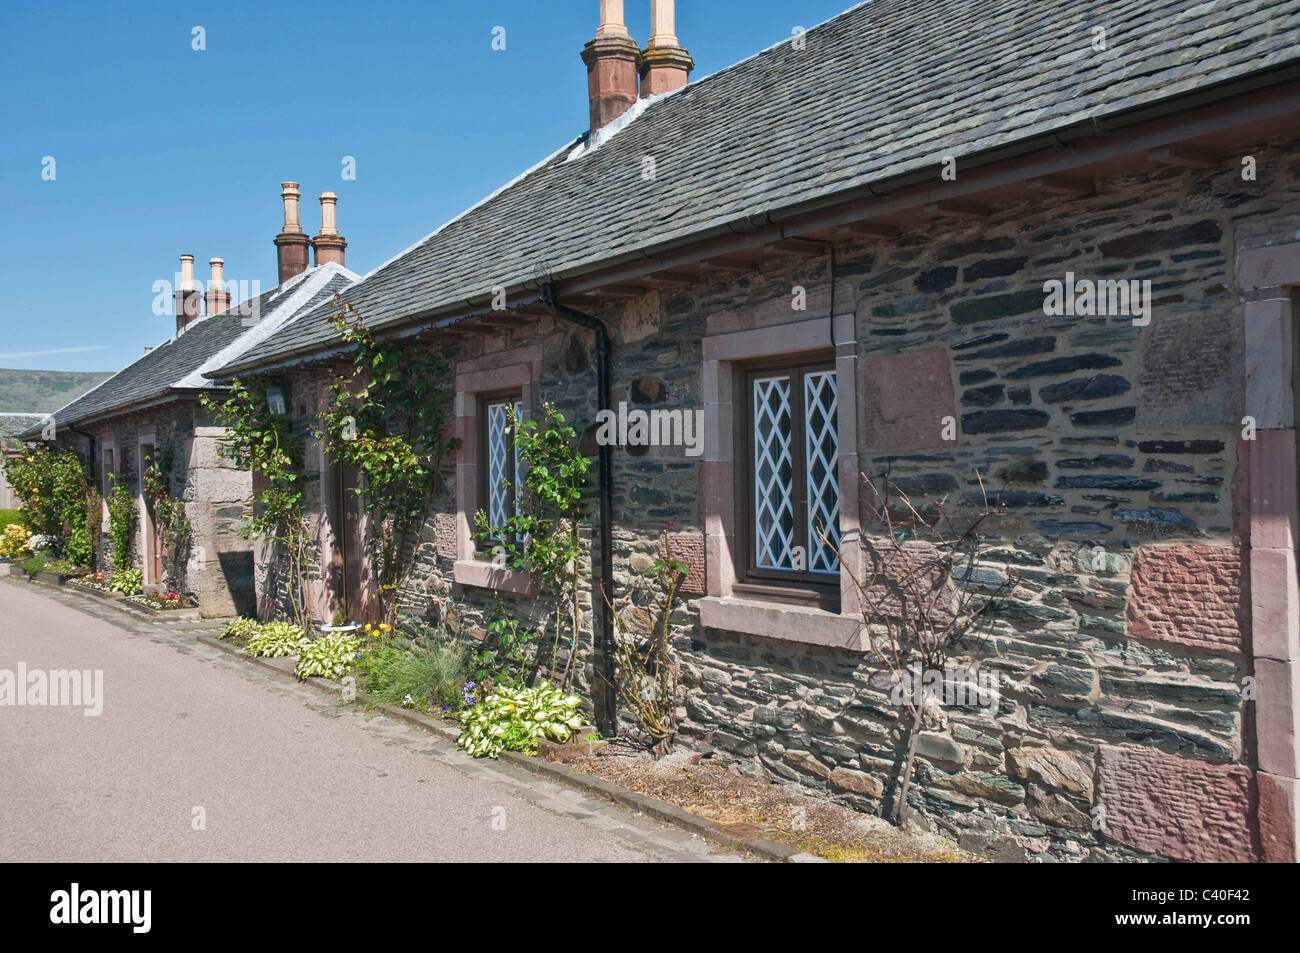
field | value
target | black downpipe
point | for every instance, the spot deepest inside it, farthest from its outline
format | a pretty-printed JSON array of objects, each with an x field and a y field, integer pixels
[{"x": 609, "y": 728}]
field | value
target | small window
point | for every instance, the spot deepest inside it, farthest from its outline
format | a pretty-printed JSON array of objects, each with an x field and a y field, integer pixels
[
  {"x": 793, "y": 481},
  {"x": 502, "y": 470}
]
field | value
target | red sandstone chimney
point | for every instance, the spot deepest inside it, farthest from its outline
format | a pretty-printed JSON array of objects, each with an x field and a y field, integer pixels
[
  {"x": 217, "y": 298},
  {"x": 611, "y": 60},
  {"x": 664, "y": 65},
  {"x": 329, "y": 244},
  {"x": 188, "y": 301},
  {"x": 291, "y": 244}
]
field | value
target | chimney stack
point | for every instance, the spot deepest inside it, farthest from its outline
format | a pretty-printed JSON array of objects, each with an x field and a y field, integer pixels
[
  {"x": 664, "y": 64},
  {"x": 611, "y": 60},
  {"x": 292, "y": 243},
  {"x": 329, "y": 244},
  {"x": 188, "y": 301},
  {"x": 217, "y": 298}
]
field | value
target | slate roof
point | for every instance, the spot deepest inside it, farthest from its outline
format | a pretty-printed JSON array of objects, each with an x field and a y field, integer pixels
[
  {"x": 885, "y": 89},
  {"x": 176, "y": 366},
  {"x": 11, "y": 425}
]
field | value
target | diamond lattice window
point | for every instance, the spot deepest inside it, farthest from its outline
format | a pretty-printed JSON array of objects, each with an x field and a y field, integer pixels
[
  {"x": 503, "y": 472},
  {"x": 795, "y": 484}
]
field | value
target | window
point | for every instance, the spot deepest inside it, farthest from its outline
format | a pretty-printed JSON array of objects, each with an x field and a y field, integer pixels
[
  {"x": 502, "y": 470},
  {"x": 793, "y": 480}
]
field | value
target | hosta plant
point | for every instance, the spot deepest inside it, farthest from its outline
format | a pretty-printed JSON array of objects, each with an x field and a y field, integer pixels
[
  {"x": 276, "y": 639},
  {"x": 127, "y": 581},
  {"x": 330, "y": 656},
  {"x": 512, "y": 719},
  {"x": 240, "y": 630}
]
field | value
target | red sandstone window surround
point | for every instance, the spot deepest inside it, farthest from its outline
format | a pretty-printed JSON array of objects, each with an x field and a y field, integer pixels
[
  {"x": 484, "y": 386},
  {"x": 759, "y": 499}
]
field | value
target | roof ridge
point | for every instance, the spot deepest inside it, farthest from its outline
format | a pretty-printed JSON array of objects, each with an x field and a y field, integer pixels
[{"x": 318, "y": 278}]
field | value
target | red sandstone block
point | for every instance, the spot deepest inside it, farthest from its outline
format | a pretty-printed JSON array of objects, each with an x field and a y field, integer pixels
[
  {"x": 1272, "y": 472},
  {"x": 1277, "y": 710},
  {"x": 689, "y": 548},
  {"x": 1274, "y": 596},
  {"x": 1279, "y": 806},
  {"x": 1188, "y": 595},
  {"x": 906, "y": 397},
  {"x": 1179, "y": 808},
  {"x": 444, "y": 525}
]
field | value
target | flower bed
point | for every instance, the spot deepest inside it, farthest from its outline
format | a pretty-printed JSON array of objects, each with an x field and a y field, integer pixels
[
  {"x": 162, "y": 602},
  {"x": 96, "y": 582}
]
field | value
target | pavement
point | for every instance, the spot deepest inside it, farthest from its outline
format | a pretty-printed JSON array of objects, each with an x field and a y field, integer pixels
[{"x": 199, "y": 756}]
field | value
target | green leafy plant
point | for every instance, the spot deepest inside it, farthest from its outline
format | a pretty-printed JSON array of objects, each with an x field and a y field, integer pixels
[
  {"x": 386, "y": 418},
  {"x": 512, "y": 719},
  {"x": 52, "y": 486},
  {"x": 122, "y": 517},
  {"x": 431, "y": 676},
  {"x": 64, "y": 567},
  {"x": 272, "y": 448},
  {"x": 240, "y": 630},
  {"x": 129, "y": 582},
  {"x": 330, "y": 656},
  {"x": 169, "y": 513},
  {"x": 276, "y": 640},
  {"x": 503, "y": 657},
  {"x": 543, "y": 536},
  {"x": 33, "y": 564}
]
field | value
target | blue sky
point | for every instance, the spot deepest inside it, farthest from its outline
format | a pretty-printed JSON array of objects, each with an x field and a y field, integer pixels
[{"x": 160, "y": 150}]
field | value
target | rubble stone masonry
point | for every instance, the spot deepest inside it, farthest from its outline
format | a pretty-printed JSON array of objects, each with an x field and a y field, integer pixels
[{"x": 1123, "y": 648}]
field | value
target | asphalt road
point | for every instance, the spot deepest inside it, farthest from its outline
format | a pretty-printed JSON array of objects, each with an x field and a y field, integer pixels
[{"x": 198, "y": 756}]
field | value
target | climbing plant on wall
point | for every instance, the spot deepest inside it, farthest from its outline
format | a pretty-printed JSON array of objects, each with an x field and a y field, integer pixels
[
  {"x": 271, "y": 447},
  {"x": 122, "y": 516},
  {"x": 386, "y": 417},
  {"x": 169, "y": 514},
  {"x": 542, "y": 537}
]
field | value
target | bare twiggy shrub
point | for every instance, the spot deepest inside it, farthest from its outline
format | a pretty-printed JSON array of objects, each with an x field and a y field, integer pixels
[
  {"x": 647, "y": 671},
  {"x": 917, "y": 578}
]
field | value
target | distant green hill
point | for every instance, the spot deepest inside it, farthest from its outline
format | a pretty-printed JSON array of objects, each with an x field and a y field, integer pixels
[{"x": 42, "y": 392}]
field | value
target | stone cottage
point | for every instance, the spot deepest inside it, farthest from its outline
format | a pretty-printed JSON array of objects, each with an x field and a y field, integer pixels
[
  {"x": 150, "y": 413},
  {"x": 1050, "y": 250}
]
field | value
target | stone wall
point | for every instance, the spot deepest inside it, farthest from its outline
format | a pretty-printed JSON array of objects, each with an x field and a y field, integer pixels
[
  {"x": 216, "y": 568},
  {"x": 1123, "y": 647}
]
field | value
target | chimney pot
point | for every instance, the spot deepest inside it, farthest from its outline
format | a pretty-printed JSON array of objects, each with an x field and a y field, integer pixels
[
  {"x": 291, "y": 244},
  {"x": 611, "y": 19},
  {"x": 188, "y": 301},
  {"x": 611, "y": 59},
  {"x": 664, "y": 65},
  {"x": 217, "y": 298},
  {"x": 329, "y": 244}
]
